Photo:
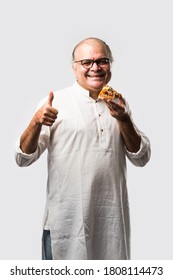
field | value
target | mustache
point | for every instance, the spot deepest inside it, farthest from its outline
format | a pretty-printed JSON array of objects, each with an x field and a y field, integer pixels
[{"x": 96, "y": 74}]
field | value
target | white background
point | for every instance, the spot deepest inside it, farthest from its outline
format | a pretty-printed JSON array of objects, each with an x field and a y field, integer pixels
[{"x": 37, "y": 38}]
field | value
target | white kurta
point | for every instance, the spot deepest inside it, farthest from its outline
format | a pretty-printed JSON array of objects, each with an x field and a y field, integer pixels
[{"x": 87, "y": 208}]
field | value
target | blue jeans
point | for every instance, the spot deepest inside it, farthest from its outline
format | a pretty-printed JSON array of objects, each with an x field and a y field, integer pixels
[{"x": 46, "y": 245}]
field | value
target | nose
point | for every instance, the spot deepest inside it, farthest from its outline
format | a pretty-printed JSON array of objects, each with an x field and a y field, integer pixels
[{"x": 95, "y": 66}]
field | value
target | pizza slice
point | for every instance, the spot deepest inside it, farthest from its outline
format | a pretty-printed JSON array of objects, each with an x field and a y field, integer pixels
[{"x": 108, "y": 92}]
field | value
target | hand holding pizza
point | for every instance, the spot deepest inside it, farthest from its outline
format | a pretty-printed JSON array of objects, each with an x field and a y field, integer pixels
[{"x": 115, "y": 103}]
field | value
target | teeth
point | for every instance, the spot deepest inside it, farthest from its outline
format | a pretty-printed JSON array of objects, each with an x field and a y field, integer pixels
[{"x": 94, "y": 76}]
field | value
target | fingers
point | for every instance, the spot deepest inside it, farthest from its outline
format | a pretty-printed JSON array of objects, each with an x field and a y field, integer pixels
[
  {"x": 122, "y": 101},
  {"x": 47, "y": 113},
  {"x": 52, "y": 111},
  {"x": 50, "y": 98},
  {"x": 117, "y": 111}
]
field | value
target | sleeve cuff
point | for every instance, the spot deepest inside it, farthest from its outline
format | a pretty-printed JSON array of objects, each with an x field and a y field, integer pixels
[
  {"x": 24, "y": 155},
  {"x": 143, "y": 148}
]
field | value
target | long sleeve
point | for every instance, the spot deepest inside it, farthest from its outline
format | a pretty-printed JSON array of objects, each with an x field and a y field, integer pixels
[
  {"x": 141, "y": 157},
  {"x": 23, "y": 159}
]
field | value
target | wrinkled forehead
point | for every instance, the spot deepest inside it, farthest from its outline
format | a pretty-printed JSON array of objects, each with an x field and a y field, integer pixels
[{"x": 90, "y": 49}]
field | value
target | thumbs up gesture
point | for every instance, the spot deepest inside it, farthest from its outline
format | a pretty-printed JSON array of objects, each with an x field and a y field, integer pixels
[
  {"x": 47, "y": 114},
  {"x": 50, "y": 98}
]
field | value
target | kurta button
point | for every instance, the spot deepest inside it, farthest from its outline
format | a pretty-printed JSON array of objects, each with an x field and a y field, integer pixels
[{"x": 102, "y": 130}]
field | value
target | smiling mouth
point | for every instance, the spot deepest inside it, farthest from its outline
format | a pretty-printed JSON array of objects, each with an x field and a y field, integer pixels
[{"x": 95, "y": 76}]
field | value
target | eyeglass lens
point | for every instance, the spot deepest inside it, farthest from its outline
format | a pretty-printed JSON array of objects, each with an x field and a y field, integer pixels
[{"x": 88, "y": 63}]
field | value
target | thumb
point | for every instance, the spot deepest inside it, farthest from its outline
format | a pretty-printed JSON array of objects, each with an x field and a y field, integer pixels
[{"x": 50, "y": 98}]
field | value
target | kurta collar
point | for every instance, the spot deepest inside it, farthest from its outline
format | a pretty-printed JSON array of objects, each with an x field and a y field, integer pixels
[{"x": 80, "y": 89}]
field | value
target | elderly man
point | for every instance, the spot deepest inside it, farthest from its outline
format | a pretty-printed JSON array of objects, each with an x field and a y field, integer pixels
[{"x": 88, "y": 140}]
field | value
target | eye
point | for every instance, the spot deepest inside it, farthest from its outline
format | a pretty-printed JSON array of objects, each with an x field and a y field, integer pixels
[
  {"x": 103, "y": 61},
  {"x": 86, "y": 62}
]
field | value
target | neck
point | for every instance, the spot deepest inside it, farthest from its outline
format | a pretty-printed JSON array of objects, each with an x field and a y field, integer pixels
[{"x": 94, "y": 95}]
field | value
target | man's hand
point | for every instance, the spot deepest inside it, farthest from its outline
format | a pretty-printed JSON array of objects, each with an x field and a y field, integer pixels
[
  {"x": 129, "y": 134},
  {"x": 47, "y": 114},
  {"x": 117, "y": 110}
]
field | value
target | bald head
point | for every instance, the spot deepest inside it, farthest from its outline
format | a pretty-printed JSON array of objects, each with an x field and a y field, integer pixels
[{"x": 91, "y": 41}]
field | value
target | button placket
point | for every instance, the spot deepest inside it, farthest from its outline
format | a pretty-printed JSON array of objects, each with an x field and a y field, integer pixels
[{"x": 98, "y": 105}]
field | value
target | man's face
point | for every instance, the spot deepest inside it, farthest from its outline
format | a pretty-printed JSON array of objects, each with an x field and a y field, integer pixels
[{"x": 94, "y": 78}]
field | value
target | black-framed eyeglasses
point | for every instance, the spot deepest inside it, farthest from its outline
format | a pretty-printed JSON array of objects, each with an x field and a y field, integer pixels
[{"x": 88, "y": 63}]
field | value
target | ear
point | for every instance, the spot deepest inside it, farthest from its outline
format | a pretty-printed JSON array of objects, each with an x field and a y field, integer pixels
[{"x": 73, "y": 67}]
